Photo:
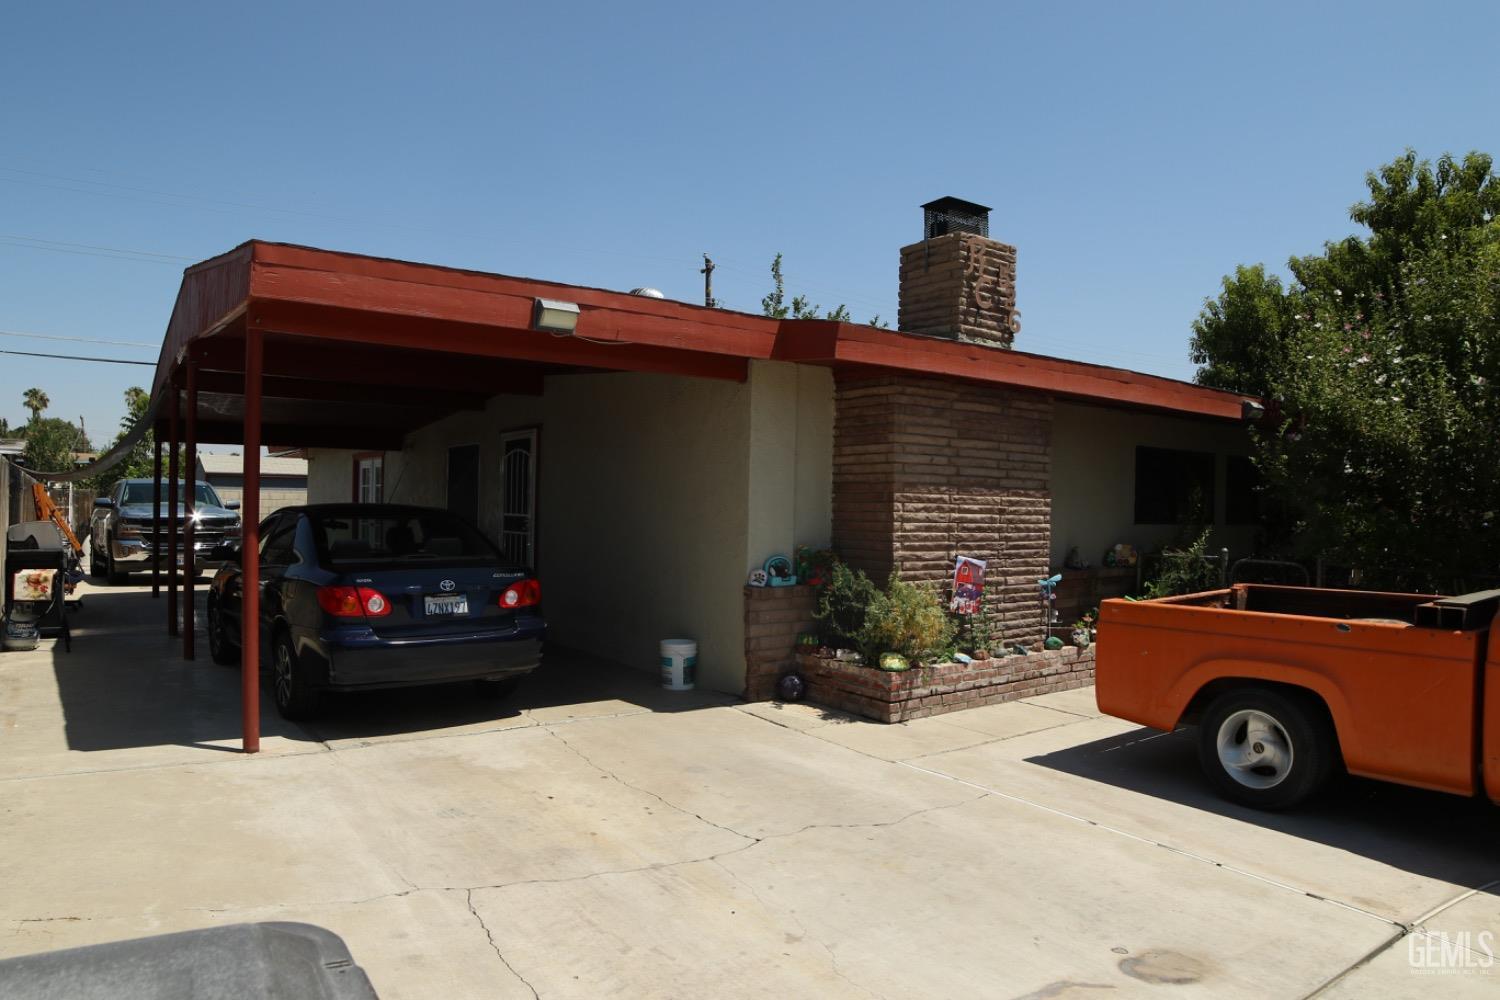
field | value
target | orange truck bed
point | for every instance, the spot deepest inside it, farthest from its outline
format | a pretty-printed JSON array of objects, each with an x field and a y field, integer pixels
[{"x": 1407, "y": 703}]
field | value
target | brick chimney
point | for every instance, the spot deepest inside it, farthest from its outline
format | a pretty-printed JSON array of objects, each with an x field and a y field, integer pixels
[{"x": 957, "y": 283}]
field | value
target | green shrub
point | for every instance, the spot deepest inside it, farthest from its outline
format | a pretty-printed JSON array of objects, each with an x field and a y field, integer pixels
[
  {"x": 907, "y": 619},
  {"x": 1185, "y": 571},
  {"x": 842, "y": 602}
]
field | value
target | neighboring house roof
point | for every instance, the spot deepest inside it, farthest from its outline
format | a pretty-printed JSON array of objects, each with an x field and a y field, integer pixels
[
  {"x": 219, "y": 463},
  {"x": 12, "y": 446}
]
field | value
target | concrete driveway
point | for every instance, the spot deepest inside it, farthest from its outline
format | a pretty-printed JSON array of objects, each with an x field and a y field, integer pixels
[{"x": 601, "y": 838}]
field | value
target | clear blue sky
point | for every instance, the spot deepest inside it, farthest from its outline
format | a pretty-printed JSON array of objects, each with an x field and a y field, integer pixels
[{"x": 1134, "y": 153}]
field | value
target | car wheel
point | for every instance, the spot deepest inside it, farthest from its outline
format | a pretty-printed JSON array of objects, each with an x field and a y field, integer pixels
[
  {"x": 115, "y": 575},
  {"x": 498, "y": 689},
  {"x": 294, "y": 697},
  {"x": 1266, "y": 749},
  {"x": 96, "y": 564},
  {"x": 223, "y": 651}
]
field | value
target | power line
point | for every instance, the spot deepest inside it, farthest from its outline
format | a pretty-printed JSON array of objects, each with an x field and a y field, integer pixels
[
  {"x": 78, "y": 340},
  {"x": 87, "y": 253},
  {"x": 77, "y": 357},
  {"x": 91, "y": 246}
]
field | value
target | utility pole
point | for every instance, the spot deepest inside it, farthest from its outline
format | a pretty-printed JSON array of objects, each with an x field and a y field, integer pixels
[{"x": 707, "y": 270}]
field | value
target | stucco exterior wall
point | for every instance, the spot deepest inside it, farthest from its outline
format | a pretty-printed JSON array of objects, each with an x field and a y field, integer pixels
[
  {"x": 1093, "y": 478},
  {"x": 790, "y": 459},
  {"x": 656, "y": 495}
]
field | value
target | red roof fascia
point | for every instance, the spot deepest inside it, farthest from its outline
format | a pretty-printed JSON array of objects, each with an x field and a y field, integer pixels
[{"x": 335, "y": 294}]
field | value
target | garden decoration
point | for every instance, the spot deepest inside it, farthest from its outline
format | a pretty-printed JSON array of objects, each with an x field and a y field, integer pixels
[
  {"x": 1083, "y": 631},
  {"x": 814, "y": 566},
  {"x": 968, "y": 585},
  {"x": 758, "y": 578},
  {"x": 1049, "y": 603},
  {"x": 1053, "y": 642},
  {"x": 779, "y": 572},
  {"x": 791, "y": 687}
]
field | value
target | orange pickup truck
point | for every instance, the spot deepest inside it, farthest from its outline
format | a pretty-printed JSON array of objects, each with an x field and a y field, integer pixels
[{"x": 1288, "y": 683}]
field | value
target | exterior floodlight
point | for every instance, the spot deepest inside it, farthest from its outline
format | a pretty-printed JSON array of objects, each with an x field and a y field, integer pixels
[
  {"x": 1251, "y": 409},
  {"x": 554, "y": 316}
]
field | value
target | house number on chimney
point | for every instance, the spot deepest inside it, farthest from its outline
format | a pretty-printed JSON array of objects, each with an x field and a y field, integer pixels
[{"x": 990, "y": 294}]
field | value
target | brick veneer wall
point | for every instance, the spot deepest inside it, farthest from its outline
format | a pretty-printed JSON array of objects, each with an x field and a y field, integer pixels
[
  {"x": 774, "y": 617},
  {"x": 959, "y": 286},
  {"x": 948, "y": 687},
  {"x": 925, "y": 469}
]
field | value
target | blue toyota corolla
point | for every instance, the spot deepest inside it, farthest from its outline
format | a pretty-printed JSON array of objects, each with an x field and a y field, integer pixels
[{"x": 358, "y": 596}]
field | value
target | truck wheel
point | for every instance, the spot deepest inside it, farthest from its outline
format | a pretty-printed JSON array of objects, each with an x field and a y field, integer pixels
[
  {"x": 113, "y": 574},
  {"x": 1266, "y": 749},
  {"x": 96, "y": 563},
  {"x": 295, "y": 698}
]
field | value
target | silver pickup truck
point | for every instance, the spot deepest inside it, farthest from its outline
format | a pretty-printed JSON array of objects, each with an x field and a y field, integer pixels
[{"x": 120, "y": 537}]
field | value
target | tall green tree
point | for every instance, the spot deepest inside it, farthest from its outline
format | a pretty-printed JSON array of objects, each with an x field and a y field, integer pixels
[
  {"x": 139, "y": 463},
  {"x": 51, "y": 442},
  {"x": 36, "y": 401},
  {"x": 775, "y": 305},
  {"x": 1382, "y": 354}
]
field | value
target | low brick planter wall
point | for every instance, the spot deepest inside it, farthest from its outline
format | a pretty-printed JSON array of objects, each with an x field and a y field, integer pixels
[
  {"x": 774, "y": 617},
  {"x": 947, "y": 687}
]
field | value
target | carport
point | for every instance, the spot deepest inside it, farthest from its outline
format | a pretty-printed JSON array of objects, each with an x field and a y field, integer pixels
[{"x": 286, "y": 344}]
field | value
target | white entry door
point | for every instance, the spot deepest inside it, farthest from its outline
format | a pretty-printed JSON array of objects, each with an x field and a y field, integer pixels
[{"x": 518, "y": 497}]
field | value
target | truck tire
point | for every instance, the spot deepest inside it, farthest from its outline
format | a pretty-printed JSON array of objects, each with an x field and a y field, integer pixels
[
  {"x": 96, "y": 562},
  {"x": 114, "y": 576},
  {"x": 1266, "y": 749}
]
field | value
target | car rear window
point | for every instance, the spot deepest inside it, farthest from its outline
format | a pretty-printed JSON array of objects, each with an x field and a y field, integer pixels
[{"x": 398, "y": 538}]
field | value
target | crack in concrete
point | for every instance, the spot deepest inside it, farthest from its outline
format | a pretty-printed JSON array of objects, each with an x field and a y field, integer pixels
[
  {"x": 469, "y": 899},
  {"x": 645, "y": 791},
  {"x": 1404, "y": 930}
]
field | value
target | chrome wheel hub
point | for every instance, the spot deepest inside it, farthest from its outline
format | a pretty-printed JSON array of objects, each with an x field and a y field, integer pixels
[{"x": 1254, "y": 749}]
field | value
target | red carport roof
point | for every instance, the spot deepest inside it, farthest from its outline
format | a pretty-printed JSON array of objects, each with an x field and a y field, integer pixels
[{"x": 344, "y": 330}]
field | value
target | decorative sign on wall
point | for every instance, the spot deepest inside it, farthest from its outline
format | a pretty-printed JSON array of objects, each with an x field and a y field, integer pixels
[{"x": 968, "y": 585}]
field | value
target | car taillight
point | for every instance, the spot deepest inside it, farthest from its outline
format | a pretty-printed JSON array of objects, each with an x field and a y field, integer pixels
[
  {"x": 353, "y": 602},
  {"x": 521, "y": 594}
]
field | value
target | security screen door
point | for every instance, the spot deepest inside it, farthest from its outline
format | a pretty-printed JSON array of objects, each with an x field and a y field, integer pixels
[{"x": 518, "y": 497}]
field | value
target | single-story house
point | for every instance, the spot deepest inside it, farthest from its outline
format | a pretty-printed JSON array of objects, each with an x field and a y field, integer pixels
[
  {"x": 644, "y": 456},
  {"x": 283, "y": 478}
]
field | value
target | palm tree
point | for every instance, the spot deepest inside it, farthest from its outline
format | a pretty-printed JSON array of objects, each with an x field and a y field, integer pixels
[{"x": 36, "y": 402}]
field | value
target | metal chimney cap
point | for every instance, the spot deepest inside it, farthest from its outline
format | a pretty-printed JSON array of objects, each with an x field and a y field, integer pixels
[
  {"x": 648, "y": 293},
  {"x": 957, "y": 205},
  {"x": 954, "y": 215}
]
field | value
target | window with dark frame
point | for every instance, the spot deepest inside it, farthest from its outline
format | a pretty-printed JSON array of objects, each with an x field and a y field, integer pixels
[
  {"x": 1241, "y": 491},
  {"x": 1173, "y": 486},
  {"x": 463, "y": 481}
]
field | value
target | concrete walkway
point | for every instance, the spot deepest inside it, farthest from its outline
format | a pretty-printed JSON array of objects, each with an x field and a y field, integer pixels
[{"x": 601, "y": 838}]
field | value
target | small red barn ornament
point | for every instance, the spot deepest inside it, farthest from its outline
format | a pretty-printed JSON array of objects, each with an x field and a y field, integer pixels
[{"x": 968, "y": 585}]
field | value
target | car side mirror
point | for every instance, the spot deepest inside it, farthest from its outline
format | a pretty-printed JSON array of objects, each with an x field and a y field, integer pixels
[
  {"x": 231, "y": 505},
  {"x": 228, "y": 552},
  {"x": 104, "y": 502}
]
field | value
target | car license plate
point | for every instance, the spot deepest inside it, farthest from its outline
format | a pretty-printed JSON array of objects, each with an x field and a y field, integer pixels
[{"x": 447, "y": 604}]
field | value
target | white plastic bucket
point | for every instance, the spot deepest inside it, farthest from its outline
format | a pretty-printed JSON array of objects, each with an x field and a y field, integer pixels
[{"x": 679, "y": 664}]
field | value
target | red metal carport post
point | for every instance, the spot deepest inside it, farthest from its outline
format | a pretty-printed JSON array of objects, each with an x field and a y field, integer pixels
[
  {"x": 156, "y": 518},
  {"x": 172, "y": 493},
  {"x": 250, "y": 548},
  {"x": 190, "y": 532}
]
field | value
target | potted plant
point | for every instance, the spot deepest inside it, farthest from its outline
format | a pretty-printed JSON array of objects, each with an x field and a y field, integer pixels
[{"x": 1083, "y": 631}]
